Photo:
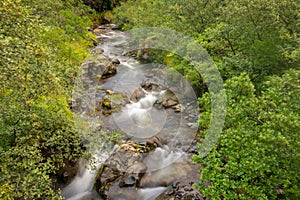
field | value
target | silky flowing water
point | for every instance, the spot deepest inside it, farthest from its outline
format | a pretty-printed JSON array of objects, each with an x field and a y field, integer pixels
[{"x": 141, "y": 120}]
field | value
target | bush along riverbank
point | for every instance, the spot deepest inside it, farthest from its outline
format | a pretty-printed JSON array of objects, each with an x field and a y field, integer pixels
[{"x": 43, "y": 44}]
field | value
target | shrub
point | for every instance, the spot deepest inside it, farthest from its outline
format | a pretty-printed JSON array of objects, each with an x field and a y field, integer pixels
[
  {"x": 36, "y": 125},
  {"x": 258, "y": 155}
]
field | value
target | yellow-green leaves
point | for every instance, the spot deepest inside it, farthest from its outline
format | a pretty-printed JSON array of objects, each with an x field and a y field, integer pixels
[{"x": 36, "y": 126}]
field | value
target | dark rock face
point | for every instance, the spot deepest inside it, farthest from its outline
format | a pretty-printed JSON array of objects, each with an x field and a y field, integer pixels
[
  {"x": 180, "y": 191},
  {"x": 101, "y": 5},
  {"x": 125, "y": 171},
  {"x": 124, "y": 168},
  {"x": 169, "y": 99},
  {"x": 107, "y": 69},
  {"x": 137, "y": 95},
  {"x": 134, "y": 174},
  {"x": 99, "y": 67},
  {"x": 182, "y": 188},
  {"x": 149, "y": 85},
  {"x": 115, "y": 61},
  {"x": 66, "y": 173}
]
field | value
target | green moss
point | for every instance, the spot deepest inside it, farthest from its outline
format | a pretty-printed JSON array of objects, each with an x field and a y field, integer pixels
[{"x": 100, "y": 170}]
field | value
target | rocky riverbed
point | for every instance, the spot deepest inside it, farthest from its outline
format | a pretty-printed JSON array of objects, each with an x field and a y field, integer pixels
[{"x": 154, "y": 110}]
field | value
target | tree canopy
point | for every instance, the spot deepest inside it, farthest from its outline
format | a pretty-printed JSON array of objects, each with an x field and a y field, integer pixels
[
  {"x": 256, "y": 46},
  {"x": 39, "y": 58}
]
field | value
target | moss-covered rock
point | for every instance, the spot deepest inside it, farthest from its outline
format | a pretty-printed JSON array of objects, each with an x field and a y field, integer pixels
[{"x": 112, "y": 102}]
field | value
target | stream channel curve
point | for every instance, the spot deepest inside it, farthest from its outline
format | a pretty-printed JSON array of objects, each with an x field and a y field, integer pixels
[{"x": 150, "y": 104}]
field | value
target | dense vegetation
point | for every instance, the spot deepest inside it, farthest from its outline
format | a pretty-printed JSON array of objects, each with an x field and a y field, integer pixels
[
  {"x": 258, "y": 37},
  {"x": 42, "y": 46},
  {"x": 258, "y": 153},
  {"x": 256, "y": 46}
]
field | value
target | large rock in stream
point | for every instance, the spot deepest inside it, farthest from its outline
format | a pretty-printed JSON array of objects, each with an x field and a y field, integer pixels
[
  {"x": 98, "y": 67},
  {"x": 137, "y": 94},
  {"x": 182, "y": 188},
  {"x": 130, "y": 169},
  {"x": 125, "y": 167},
  {"x": 166, "y": 99},
  {"x": 179, "y": 191},
  {"x": 111, "y": 102}
]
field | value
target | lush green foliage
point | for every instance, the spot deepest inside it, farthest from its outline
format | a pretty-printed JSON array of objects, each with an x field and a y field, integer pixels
[
  {"x": 42, "y": 47},
  {"x": 44, "y": 42},
  {"x": 259, "y": 37},
  {"x": 102, "y": 5},
  {"x": 259, "y": 150},
  {"x": 256, "y": 46},
  {"x": 65, "y": 32}
]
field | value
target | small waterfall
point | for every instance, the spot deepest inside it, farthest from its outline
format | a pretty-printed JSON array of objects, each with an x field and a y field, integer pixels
[
  {"x": 139, "y": 120},
  {"x": 161, "y": 158},
  {"x": 139, "y": 111},
  {"x": 82, "y": 185}
]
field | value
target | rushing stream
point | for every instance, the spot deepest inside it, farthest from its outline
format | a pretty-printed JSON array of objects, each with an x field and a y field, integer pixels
[{"x": 140, "y": 120}]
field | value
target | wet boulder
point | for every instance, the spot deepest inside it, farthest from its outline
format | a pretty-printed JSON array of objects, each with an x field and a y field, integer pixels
[
  {"x": 137, "y": 95},
  {"x": 121, "y": 193},
  {"x": 180, "y": 191},
  {"x": 98, "y": 67},
  {"x": 124, "y": 167},
  {"x": 111, "y": 102},
  {"x": 98, "y": 31},
  {"x": 183, "y": 188},
  {"x": 165, "y": 176},
  {"x": 133, "y": 175},
  {"x": 108, "y": 69},
  {"x": 155, "y": 141},
  {"x": 115, "y": 61},
  {"x": 150, "y": 85},
  {"x": 168, "y": 99}
]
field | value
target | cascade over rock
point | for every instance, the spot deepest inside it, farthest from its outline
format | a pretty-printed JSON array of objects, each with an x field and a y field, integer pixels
[{"x": 155, "y": 122}]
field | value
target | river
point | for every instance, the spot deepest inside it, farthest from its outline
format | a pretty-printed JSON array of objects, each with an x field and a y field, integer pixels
[{"x": 142, "y": 119}]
